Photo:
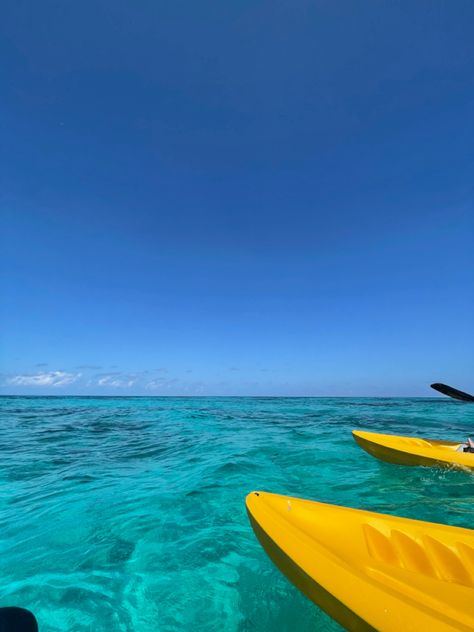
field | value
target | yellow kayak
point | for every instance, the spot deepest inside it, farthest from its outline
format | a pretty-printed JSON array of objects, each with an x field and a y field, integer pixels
[
  {"x": 413, "y": 450},
  {"x": 370, "y": 571}
]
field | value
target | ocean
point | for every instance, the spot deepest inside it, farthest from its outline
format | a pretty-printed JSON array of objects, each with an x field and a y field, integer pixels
[{"x": 128, "y": 514}]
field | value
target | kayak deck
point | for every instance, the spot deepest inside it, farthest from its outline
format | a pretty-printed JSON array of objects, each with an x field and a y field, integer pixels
[
  {"x": 414, "y": 450},
  {"x": 370, "y": 571}
]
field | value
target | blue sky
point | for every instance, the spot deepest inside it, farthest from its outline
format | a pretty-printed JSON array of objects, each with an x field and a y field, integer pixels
[{"x": 263, "y": 198}]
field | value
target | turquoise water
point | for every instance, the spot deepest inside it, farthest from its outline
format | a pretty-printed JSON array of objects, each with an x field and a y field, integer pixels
[{"x": 128, "y": 513}]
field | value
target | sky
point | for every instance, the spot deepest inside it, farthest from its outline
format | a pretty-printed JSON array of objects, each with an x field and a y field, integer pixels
[{"x": 236, "y": 198}]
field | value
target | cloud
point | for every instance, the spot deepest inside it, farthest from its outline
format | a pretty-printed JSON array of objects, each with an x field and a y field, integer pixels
[
  {"x": 116, "y": 380},
  {"x": 154, "y": 384},
  {"x": 160, "y": 383},
  {"x": 50, "y": 378},
  {"x": 41, "y": 364},
  {"x": 89, "y": 367}
]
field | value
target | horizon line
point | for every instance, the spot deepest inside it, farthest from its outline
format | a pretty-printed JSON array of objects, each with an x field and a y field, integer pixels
[{"x": 235, "y": 396}]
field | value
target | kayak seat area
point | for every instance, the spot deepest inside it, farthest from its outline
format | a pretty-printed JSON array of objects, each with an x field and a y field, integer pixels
[{"x": 426, "y": 555}]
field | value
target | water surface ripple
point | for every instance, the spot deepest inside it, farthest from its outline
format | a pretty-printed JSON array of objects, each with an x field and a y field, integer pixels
[{"x": 128, "y": 513}]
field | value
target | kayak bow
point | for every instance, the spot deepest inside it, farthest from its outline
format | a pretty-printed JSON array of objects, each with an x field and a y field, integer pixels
[
  {"x": 414, "y": 450},
  {"x": 370, "y": 571}
]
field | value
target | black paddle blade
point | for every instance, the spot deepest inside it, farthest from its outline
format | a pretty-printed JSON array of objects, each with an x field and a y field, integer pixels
[
  {"x": 453, "y": 392},
  {"x": 14, "y": 619}
]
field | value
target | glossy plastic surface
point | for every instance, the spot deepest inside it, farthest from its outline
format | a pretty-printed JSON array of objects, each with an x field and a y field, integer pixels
[
  {"x": 370, "y": 571},
  {"x": 413, "y": 450}
]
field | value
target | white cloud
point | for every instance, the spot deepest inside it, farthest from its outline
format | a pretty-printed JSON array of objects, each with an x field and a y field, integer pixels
[
  {"x": 154, "y": 384},
  {"x": 117, "y": 380},
  {"x": 50, "y": 378},
  {"x": 160, "y": 383}
]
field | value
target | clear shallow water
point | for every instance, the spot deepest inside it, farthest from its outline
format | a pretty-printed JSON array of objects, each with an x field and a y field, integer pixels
[{"x": 128, "y": 513}]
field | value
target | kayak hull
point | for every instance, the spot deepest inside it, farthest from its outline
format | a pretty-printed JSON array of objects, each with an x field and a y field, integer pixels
[
  {"x": 413, "y": 450},
  {"x": 370, "y": 571},
  {"x": 307, "y": 585}
]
